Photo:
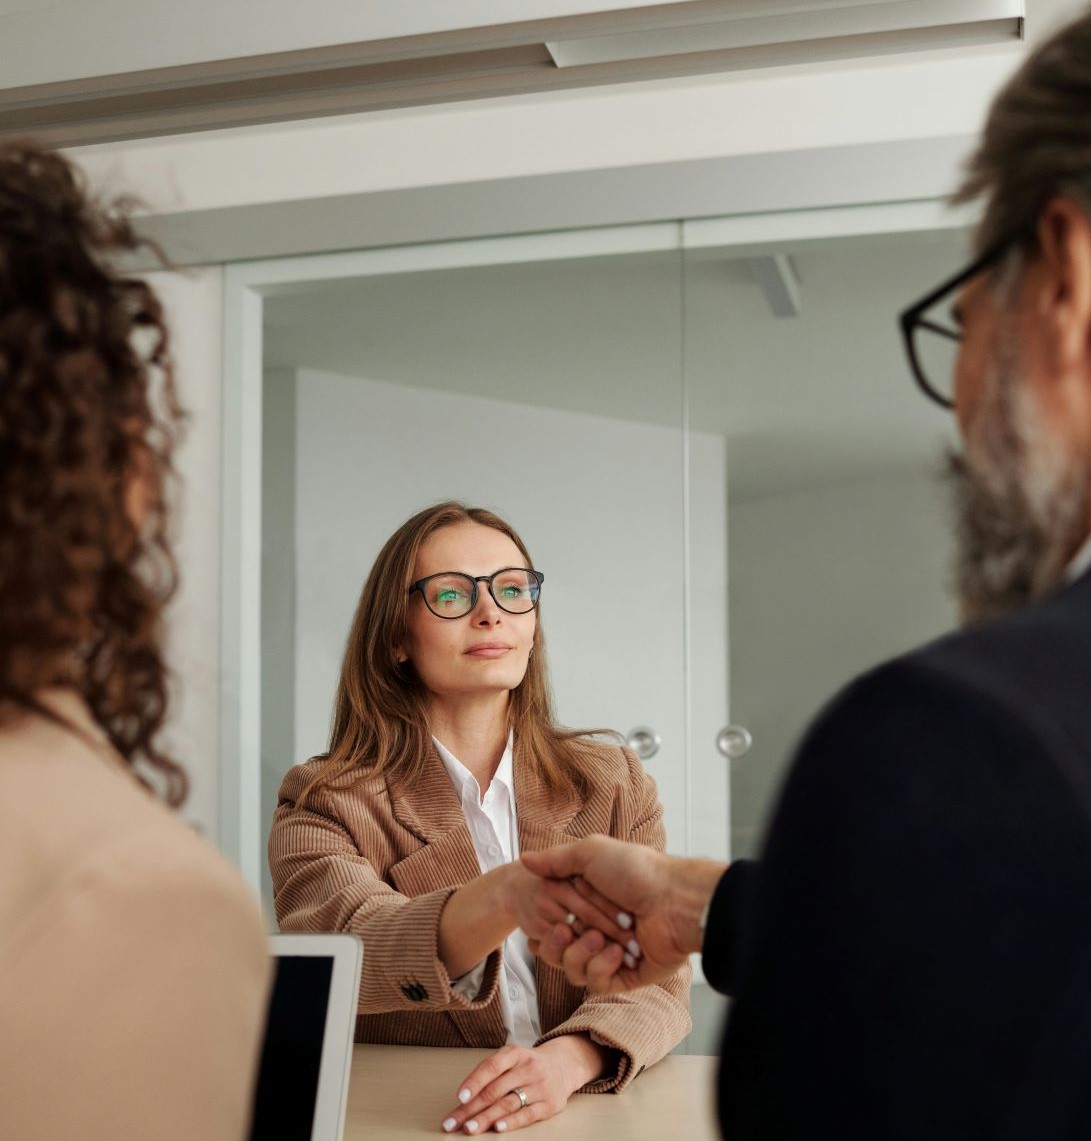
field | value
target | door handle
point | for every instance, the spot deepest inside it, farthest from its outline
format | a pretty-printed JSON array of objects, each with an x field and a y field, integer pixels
[
  {"x": 734, "y": 741},
  {"x": 643, "y": 741}
]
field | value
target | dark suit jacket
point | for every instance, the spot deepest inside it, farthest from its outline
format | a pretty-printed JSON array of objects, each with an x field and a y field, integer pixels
[{"x": 912, "y": 958}]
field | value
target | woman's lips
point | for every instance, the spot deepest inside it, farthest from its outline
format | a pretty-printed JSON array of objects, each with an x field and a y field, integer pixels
[{"x": 488, "y": 650}]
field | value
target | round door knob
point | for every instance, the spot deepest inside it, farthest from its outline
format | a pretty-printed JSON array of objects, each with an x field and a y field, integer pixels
[
  {"x": 734, "y": 741},
  {"x": 643, "y": 741}
]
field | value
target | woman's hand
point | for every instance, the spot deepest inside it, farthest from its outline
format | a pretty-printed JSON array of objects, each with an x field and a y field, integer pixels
[
  {"x": 665, "y": 895},
  {"x": 537, "y": 906},
  {"x": 547, "y": 1074},
  {"x": 484, "y": 912}
]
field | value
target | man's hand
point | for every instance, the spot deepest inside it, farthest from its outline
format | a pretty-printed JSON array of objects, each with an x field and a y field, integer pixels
[{"x": 665, "y": 897}]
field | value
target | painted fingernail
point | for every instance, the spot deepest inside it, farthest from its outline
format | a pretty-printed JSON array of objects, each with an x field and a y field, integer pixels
[
  {"x": 634, "y": 949},
  {"x": 471, "y": 1126},
  {"x": 464, "y": 1095},
  {"x": 630, "y": 962},
  {"x": 450, "y": 1125},
  {"x": 501, "y": 1127},
  {"x": 624, "y": 921}
]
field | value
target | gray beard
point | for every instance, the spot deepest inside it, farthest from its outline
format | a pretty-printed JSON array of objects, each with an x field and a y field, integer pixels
[{"x": 1022, "y": 505}]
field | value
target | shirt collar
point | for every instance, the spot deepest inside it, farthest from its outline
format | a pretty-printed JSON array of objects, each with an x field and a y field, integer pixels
[{"x": 465, "y": 781}]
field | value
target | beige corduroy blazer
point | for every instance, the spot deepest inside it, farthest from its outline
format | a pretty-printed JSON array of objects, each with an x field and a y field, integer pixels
[
  {"x": 133, "y": 964},
  {"x": 382, "y": 866}
]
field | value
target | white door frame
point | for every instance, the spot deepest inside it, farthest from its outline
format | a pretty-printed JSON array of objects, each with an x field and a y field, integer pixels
[{"x": 246, "y": 286}]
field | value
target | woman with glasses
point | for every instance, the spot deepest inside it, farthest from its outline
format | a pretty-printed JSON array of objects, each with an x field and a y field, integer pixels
[{"x": 444, "y": 764}]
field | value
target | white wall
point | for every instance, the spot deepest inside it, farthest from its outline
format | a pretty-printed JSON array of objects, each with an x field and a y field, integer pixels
[
  {"x": 194, "y": 306},
  {"x": 598, "y": 501},
  {"x": 278, "y": 559},
  {"x": 825, "y": 583},
  {"x": 846, "y": 104},
  {"x": 942, "y": 94}
]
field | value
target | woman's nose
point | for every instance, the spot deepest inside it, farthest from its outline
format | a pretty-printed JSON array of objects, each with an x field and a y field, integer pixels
[{"x": 486, "y": 612}]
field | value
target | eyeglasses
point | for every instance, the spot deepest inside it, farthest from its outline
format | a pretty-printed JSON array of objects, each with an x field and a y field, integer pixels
[
  {"x": 451, "y": 594},
  {"x": 932, "y": 333}
]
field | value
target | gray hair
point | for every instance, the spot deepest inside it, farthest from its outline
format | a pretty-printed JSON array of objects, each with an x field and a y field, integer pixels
[{"x": 1037, "y": 140}]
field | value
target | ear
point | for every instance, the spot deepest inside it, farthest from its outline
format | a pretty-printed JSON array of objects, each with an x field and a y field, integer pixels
[{"x": 1063, "y": 301}]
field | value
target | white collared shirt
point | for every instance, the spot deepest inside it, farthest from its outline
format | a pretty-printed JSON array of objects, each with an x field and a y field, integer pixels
[{"x": 494, "y": 830}]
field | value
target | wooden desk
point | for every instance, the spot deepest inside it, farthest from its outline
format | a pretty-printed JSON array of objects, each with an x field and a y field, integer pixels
[{"x": 402, "y": 1093}]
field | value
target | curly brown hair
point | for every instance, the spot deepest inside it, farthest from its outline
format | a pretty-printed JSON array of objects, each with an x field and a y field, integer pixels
[{"x": 88, "y": 422}]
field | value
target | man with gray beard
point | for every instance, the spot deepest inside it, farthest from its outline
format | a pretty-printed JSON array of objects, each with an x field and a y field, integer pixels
[{"x": 912, "y": 956}]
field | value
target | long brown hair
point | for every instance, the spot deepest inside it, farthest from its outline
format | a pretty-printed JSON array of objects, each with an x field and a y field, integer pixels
[
  {"x": 380, "y": 722},
  {"x": 88, "y": 420}
]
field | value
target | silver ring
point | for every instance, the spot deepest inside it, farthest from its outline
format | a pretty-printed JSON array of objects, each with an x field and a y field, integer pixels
[
  {"x": 521, "y": 1094},
  {"x": 570, "y": 919}
]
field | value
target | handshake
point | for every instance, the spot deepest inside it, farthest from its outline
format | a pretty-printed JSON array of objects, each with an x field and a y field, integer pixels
[{"x": 631, "y": 915}]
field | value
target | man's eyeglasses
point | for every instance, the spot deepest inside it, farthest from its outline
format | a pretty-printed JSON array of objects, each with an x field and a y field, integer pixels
[
  {"x": 932, "y": 332},
  {"x": 451, "y": 594}
]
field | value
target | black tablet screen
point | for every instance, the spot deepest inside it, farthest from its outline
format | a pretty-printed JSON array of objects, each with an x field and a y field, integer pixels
[{"x": 284, "y": 1101}]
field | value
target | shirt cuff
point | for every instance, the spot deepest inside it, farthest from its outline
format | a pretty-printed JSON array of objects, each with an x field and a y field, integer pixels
[{"x": 469, "y": 984}]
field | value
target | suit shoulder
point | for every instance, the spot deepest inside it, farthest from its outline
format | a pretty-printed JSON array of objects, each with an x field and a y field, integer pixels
[
  {"x": 906, "y": 686},
  {"x": 145, "y": 875},
  {"x": 607, "y": 762},
  {"x": 930, "y": 712},
  {"x": 296, "y": 781}
]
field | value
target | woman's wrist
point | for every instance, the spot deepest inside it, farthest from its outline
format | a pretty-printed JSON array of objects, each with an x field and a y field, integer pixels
[
  {"x": 582, "y": 1060},
  {"x": 476, "y": 920},
  {"x": 505, "y": 883}
]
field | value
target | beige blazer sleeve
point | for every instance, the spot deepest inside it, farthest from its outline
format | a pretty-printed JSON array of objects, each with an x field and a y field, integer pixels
[
  {"x": 359, "y": 859},
  {"x": 645, "y": 1025},
  {"x": 138, "y": 984},
  {"x": 322, "y": 881}
]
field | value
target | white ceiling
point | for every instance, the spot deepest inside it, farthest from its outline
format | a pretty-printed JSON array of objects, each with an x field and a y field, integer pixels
[{"x": 825, "y": 397}]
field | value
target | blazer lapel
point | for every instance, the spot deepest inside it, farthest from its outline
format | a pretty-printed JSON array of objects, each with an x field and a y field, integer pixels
[
  {"x": 431, "y": 810},
  {"x": 544, "y": 815},
  {"x": 545, "y": 819}
]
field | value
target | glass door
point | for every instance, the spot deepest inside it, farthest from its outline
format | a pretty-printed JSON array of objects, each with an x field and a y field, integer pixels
[{"x": 837, "y": 539}]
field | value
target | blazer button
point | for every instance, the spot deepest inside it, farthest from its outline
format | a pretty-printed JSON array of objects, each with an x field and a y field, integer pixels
[{"x": 415, "y": 992}]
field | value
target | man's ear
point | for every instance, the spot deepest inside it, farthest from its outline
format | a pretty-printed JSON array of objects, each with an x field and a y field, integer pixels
[{"x": 1064, "y": 295}]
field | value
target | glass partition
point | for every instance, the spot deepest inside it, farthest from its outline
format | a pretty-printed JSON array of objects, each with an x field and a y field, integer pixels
[
  {"x": 548, "y": 390},
  {"x": 728, "y": 439},
  {"x": 838, "y": 543}
]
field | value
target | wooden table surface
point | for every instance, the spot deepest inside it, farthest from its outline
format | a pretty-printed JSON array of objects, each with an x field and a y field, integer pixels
[{"x": 402, "y": 1092}]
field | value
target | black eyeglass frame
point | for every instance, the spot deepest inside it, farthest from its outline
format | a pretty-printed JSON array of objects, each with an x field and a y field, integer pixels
[
  {"x": 912, "y": 318},
  {"x": 486, "y": 578}
]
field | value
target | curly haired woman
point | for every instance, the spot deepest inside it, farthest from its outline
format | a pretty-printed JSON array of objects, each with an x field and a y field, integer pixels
[
  {"x": 133, "y": 968},
  {"x": 444, "y": 765}
]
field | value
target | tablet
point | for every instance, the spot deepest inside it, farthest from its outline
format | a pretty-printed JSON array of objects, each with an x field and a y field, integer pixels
[{"x": 306, "y": 1058}]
